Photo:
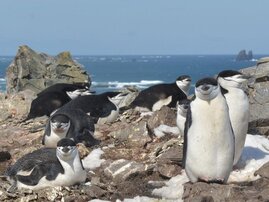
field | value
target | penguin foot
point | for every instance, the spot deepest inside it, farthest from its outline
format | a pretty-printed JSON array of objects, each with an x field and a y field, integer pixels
[{"x": 218, "y": 181}]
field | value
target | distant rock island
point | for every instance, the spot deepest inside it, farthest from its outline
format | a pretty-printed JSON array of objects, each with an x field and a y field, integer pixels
[{"x": 243, "y": 55}]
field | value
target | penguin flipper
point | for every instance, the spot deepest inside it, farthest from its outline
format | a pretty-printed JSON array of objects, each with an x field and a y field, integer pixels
[
  {"x": 47, "y": 131},
  {"x": 50, "y": 170},
  {"x": 188, "y": 123},
  {"x": 33, "y": 179}
]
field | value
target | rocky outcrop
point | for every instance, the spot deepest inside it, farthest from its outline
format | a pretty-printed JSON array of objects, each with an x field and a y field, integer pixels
[
  {"x": 37, "y": 71},
  {"x": 258, "y": 88},
  {"x": 243, "y": 55}
]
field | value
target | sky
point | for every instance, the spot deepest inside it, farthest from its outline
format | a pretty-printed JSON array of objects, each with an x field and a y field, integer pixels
[{"x": 134, "y": 27}]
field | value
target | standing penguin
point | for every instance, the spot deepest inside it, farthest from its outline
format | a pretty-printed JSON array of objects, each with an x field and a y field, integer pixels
[
  {"x": 208, "y": 138},
  {"x": 182, "y": 108},
  {"x": 232, "y": 83},
  {"x": 154, "y": 97},
  {"x": 69, "y": 123},
  {"x": 48, "y": 167}
]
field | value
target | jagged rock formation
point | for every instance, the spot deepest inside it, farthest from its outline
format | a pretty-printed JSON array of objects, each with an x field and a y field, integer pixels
[
  {"x": 259, "y": 96},
  {"x": 37, "y": 71},
  {"x": 243, "y": 55}
]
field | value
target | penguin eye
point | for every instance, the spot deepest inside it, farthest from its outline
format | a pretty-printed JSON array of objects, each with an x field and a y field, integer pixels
[{"x": 59, "y": 148}]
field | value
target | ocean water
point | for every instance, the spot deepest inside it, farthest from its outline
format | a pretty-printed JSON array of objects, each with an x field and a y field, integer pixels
[{"x": 111, "y": 73}]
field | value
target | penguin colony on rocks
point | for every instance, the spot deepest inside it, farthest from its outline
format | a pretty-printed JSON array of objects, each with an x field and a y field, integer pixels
[{"x": 213, "y": 124}]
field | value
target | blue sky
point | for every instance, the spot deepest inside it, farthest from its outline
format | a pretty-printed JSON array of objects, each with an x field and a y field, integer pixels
[{"x": 98, "y": 27}]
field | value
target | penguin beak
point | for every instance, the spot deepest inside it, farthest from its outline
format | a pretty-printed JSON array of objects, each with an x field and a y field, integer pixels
[
  {"x": 205, "y": 87},
  {"x": 65, "y": 149}
]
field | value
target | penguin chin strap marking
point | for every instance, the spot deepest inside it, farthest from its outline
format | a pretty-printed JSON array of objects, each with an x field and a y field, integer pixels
[
  {"x": 207, "y": 96},
  {"x": 232, "y": 82}
]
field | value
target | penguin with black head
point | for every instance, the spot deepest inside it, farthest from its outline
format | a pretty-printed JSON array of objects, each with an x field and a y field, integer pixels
[
  {"x": 182, "y": 109},
  {"x": 154, "y": 97},
  {"x": 69, "y": 123},
  {"x": 208, "y": 137},
  {"x": 233, "y": 84},
  {"x": 103, "y": 108},
  {"x": 48, "y": 167},
  {"x": 54, "y": 97}
]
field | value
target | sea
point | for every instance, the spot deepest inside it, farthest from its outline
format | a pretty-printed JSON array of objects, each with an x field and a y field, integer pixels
[{"x": 113, "y": 72}]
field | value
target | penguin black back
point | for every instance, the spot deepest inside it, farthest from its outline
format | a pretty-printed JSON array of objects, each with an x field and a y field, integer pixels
[
  {"x": 51, "y": 99},
  {"x": 64, "y": 87},
  {"x": 96, "y": 105},
  {"x": 147, "y": 98}
]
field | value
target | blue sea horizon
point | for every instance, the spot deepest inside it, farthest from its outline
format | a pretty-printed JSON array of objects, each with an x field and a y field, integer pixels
[{"x": 113, "y": 72}]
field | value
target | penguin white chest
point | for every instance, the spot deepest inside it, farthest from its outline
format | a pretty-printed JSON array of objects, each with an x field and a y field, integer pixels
[
  {"x": 160, "y": 103},
  {"x": 181, "y": 119},
  {"x": 110, "y": 118},
  {"x": 238, "y": 104},
  {"x": 73, "y": 173},
  {"x": 210, "y": 145},
  {"x": 51, "y": 141}
]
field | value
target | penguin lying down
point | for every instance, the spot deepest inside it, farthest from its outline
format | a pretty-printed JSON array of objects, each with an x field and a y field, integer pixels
[
  {"x": 54, "y": 97},
  {"x": 48, "y": 167},
  {"x": 69, "y": 123}
]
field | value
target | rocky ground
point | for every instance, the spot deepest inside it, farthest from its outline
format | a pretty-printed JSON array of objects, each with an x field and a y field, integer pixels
[{"x": 134, "y": 161}]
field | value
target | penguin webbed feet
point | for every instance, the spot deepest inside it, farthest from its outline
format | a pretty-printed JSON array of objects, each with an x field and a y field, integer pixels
[{"x": 211, "y": 181}]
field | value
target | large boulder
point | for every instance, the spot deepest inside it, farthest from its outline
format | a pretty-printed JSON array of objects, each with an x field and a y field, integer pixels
[
  {"x": 37, "y": 71},
  {"x": 258, "y": 88}
]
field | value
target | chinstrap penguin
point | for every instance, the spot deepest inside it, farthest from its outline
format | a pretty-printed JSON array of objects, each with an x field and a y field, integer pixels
[
  {"x": 54, "y": 97},
  {"x": 208, "y": 137},
  {"x": 48, "y": 167},
  {"x": 69, "y": 123},
  {"x": 233, "y": 84},
  {"x": 182, "y": 108},
  {"x": 103, "y": 108},
  {"x": 154, "y": 97}
]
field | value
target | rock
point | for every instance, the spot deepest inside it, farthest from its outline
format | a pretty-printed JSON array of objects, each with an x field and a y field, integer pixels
[
  {"x": 169, "y": 170},
  {"x": 135, "y": 134},
  {"x": 37, "y": 71},
  {"x": 164, "y": 116},
  {"x": 258, "y": 89},
  {"x": 15, "y": 105},
  {"x": 131, "y": 94},
  {"x": 4, "y": 155},
  {"x": 242, "y": 55},
  {"x": 263, "y": 60},
  {"x": 121, "y": 169},
  {"x": 255, "y": 191},
  {"x": 263, "y": 171}
]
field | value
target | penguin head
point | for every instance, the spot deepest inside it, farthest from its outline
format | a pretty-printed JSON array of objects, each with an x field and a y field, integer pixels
[
  {"x": 183, "y": 106},
  {"x": 184, "y": 83},
  {"x": 79, "y": 92},
  {"x": 231, "y": 78},
  {"x": 207, "y": 89},
  {"x": 60, "y": 123},
  {"x": 66, "y": 149}
]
